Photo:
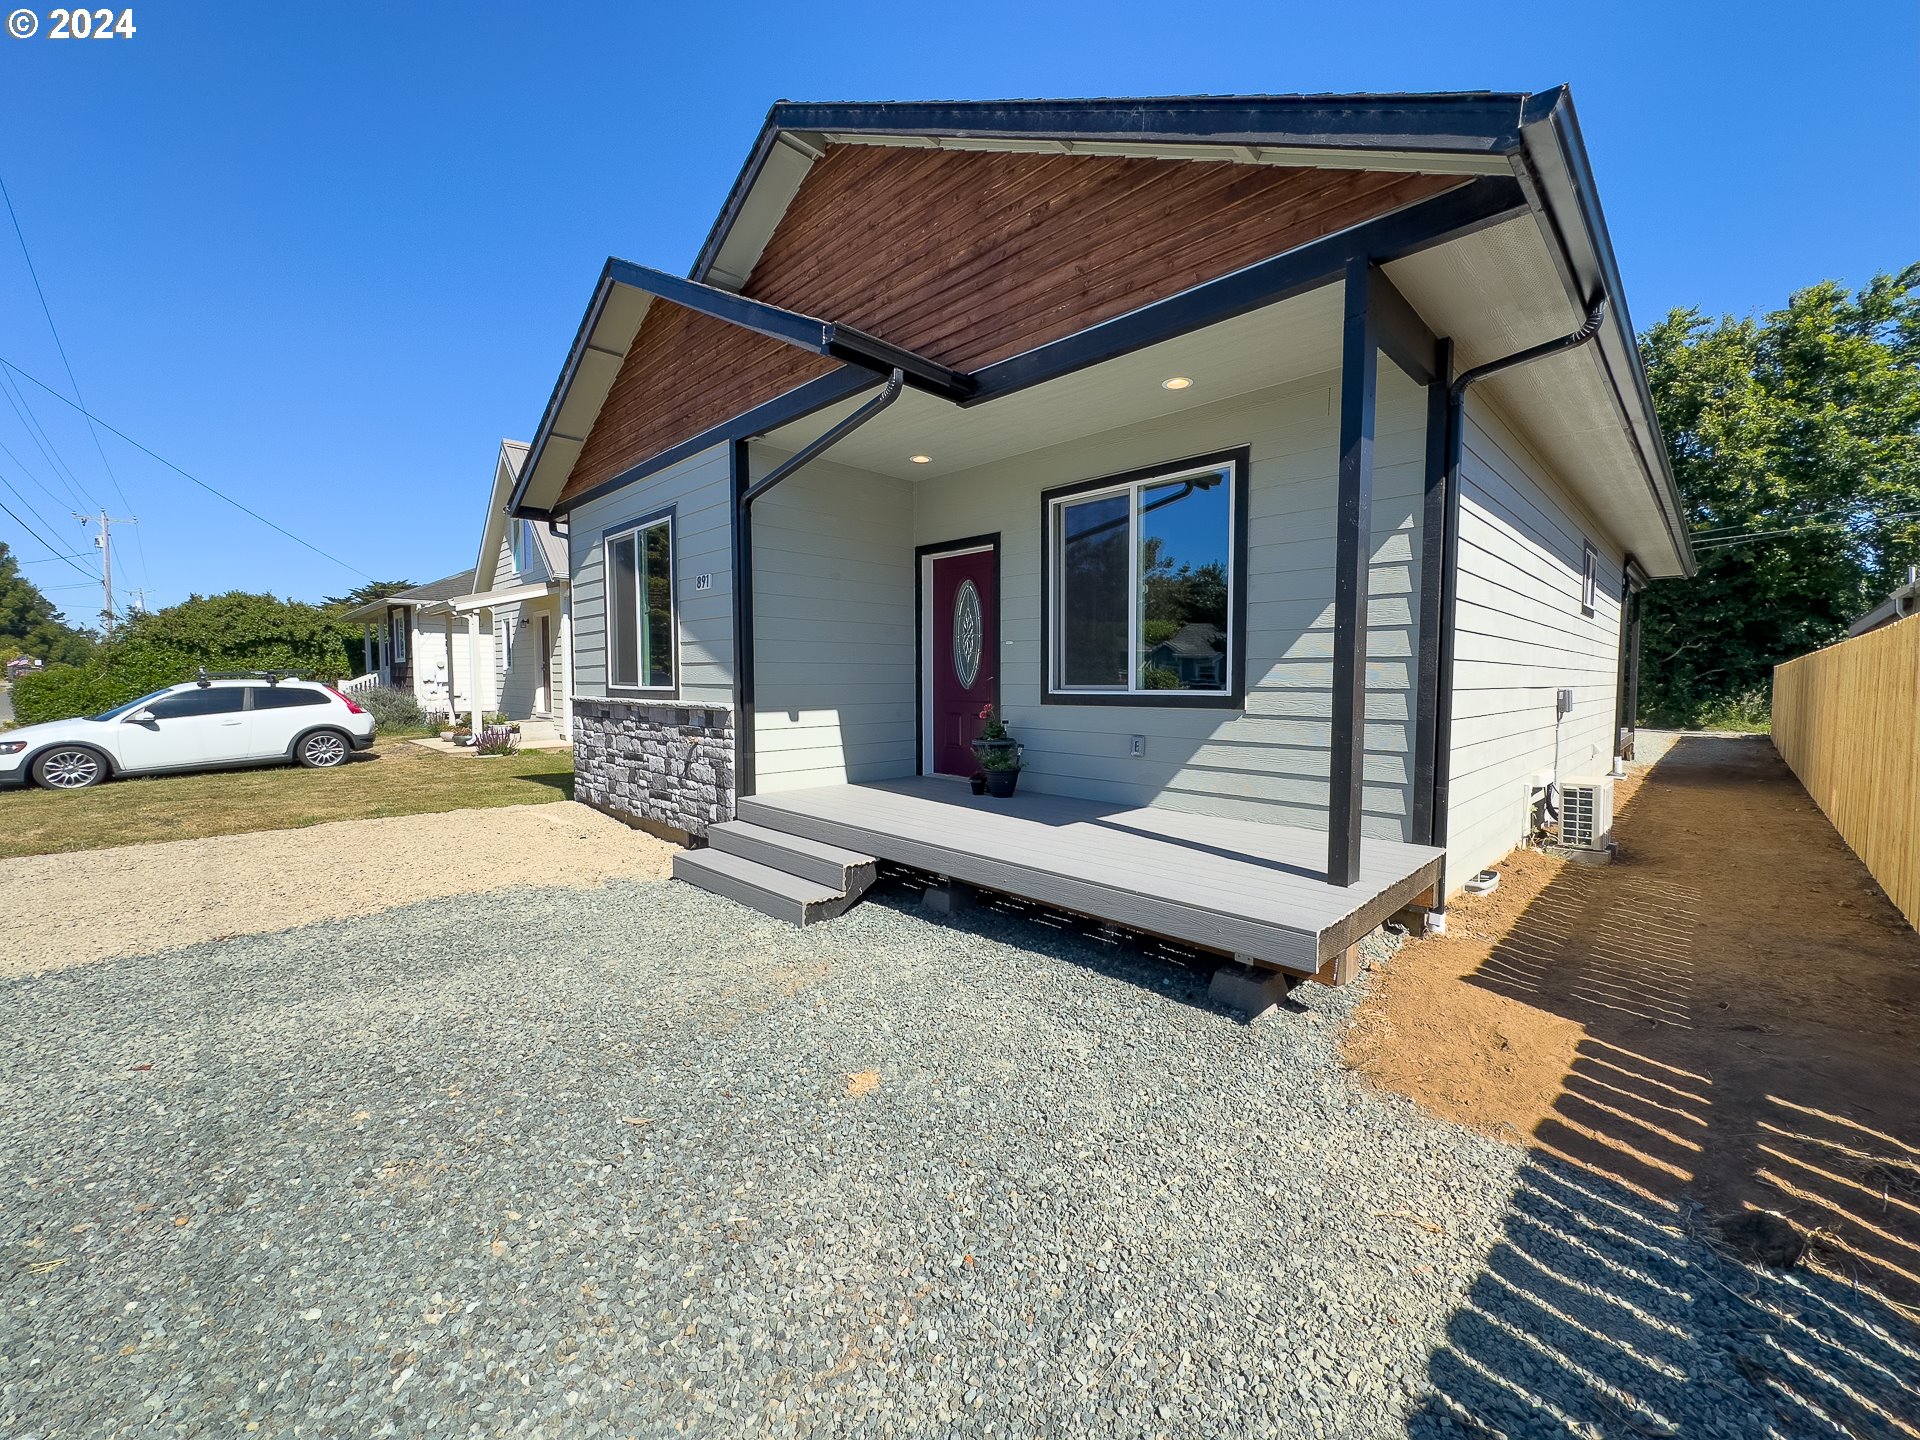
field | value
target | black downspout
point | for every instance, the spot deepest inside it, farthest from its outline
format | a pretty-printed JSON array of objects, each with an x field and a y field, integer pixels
[
  {"x": 745, "y": 492},
  {"x": 1450, "y": 570}
]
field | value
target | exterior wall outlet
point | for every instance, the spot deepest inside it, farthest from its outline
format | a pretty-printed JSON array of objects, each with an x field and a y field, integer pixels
[{"x": 1137, "y": 746}]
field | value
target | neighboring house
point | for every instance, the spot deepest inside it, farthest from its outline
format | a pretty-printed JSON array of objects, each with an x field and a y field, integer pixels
[
  {"x": 1194, "y": 657},
  {"x": 21, "y": 665},
  {"x": 517, "y": 612},
  {"x": 944, "y": 372},
  {"x": 1898, "y": 606},
  {"x": 413, "y": 643}
]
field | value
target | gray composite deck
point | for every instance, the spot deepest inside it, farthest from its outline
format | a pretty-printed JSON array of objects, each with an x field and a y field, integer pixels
[{"x": 1255, "y": 890}]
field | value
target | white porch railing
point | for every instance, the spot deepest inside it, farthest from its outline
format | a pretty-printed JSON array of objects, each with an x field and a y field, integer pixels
[{"x": 360, "y": 682}]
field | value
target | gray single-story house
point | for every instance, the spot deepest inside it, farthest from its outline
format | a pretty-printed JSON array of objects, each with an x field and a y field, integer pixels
[{"x": 979, "y": 404}]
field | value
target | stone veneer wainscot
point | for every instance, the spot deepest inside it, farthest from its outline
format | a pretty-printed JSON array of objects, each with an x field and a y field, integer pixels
[{"x": 657, "y": 765}]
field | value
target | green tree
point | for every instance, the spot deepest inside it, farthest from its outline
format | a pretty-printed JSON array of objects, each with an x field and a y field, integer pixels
[
  {"x": 364, "y": 594},
  {"x": 358, "y": 660},
  {"x": 235, "y": 631},
  {"x": 29, "y": 623},
  {"x": 1796, "y": 443}
]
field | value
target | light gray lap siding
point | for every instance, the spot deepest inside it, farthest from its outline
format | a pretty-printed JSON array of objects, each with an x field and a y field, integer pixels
[
  {"x": 833, "y": 628},
  {"x": 700, "y": 490},
  {"x": 1521, "y": 638},
  {"x": 1270, "y": 761}
]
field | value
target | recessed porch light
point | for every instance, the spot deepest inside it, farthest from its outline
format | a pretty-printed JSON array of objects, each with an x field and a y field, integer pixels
[
  {"x": 921, "y": 459},
  {"x": 1176, "y": 382}
]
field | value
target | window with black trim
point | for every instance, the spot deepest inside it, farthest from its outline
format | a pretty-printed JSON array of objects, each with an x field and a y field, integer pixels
[
  {"x": 640, "y": 617},
  {"x": 1589, "y": 579},
  {"x": 1143, "y": 579}
]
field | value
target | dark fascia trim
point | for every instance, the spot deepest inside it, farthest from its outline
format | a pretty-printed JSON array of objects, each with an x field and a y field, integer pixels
[
  {"x": 795, "y": 404},
  {"x": 1552, "y": 162},
  {"x": 1479, "y": 123},
  {"x": 736, "y": 200},
  {"x": 1467, "y": 207},
  {"x": 670, "y": 514},
  {"x": 820, "y": 337},
  {"x": 921, "y": 553},
  {"x": 1240, "y": 457},
  {"x": 537, "y": 446}
]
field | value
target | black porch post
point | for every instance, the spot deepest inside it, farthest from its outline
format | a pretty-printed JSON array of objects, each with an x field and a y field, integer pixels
[
  {"x": 1433, "y": 565},
  {"x": 743, "y": 776},
  {"x": 1353, "y": 526}
]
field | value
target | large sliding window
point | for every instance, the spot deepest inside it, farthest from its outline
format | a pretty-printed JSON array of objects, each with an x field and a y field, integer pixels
[
  {"x": 640, "y": 620},
  {"x": 1143, "y": 586}
]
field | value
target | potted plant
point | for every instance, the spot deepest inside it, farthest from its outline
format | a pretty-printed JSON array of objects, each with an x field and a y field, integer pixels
[{"x": 999, "y": 755}]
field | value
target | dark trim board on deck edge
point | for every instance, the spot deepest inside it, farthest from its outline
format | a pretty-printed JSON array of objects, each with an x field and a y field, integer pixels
[{"x": 1154, "y": 880}]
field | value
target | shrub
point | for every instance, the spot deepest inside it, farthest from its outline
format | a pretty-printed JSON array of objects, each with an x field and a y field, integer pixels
[
  {"x": 496, "y": 740},
  {"x": 391, "y": 707},
  {"x": 1748, "y": 710},
  {"x": 61, "y": 692}
]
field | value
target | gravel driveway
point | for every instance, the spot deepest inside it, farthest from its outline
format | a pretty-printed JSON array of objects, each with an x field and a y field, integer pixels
[{"x": 633, "y": 1161}]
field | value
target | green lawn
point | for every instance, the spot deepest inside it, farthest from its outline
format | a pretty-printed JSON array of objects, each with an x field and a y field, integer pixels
[{"x": 394, "y": 778}]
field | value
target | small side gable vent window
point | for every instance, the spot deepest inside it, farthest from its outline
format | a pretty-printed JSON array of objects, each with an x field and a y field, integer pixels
[{"x": 1589, "y": 578}]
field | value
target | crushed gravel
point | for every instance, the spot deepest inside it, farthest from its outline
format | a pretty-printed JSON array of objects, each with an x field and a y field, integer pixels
[
  {"x": 635, "y": 1161},
  {"x": 69, "y": 909}
]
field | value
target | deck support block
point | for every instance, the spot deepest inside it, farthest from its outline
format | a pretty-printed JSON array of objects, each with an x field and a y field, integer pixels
[
  {"x": 947, "y": 896},
  {"x": 1251, "y": 989},
  {"x": 1342, "y": 969}
]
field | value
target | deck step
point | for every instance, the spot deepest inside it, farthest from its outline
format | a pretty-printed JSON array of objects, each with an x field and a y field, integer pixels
[
  {"x": 773, "y": 892},
  {"x": 846, "y": 871}
]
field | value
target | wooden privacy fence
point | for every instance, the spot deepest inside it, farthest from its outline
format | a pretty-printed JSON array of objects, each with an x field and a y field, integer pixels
[{"x": 1847, "y": 721}]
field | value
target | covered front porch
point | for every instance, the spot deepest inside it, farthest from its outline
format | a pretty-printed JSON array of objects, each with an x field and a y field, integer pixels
[{"x": 1253, "y": 890}]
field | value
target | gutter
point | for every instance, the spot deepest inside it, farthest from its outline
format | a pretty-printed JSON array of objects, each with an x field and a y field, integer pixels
[
  {"x": 1450, "y": 566},
  {"x": 746, "y": 492},
  {"x": 1551, "y": 165}
]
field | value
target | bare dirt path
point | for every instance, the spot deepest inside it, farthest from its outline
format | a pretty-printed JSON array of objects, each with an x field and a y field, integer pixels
[
  {"x": 1729, "y": 1015},
  {"x": 61, "y": 910}
]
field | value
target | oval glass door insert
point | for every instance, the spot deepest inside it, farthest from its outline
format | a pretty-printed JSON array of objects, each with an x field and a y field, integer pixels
[{"x": 966, "y": 634}]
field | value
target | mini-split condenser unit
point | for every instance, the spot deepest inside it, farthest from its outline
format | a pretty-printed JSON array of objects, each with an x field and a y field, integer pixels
[{"x": 1586, "y": 813}]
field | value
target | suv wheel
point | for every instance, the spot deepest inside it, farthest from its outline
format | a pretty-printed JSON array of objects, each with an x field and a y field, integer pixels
[
  {"x": 70, "y": 767},
  {"x": 323, "y": 750}
]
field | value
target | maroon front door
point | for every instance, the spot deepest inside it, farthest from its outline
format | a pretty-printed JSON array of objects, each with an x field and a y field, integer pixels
[{"x": 965, "y": 620}]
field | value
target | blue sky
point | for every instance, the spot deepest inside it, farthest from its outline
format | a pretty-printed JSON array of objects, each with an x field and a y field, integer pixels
[{"x": 326, "y": 257}]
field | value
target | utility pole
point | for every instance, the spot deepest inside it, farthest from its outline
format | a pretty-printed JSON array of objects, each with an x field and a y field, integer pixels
[{"x": 105, "y": 541}]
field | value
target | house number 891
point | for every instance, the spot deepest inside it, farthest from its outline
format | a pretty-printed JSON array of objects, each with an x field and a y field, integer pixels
[{"x": 90, "y": 24}]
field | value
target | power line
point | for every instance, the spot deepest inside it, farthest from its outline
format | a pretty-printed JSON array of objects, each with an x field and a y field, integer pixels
[
  {"x": 211, "y": 490},
  {"x": 42, "y": 441},
  {"x": 28, "y": 505},
  {"x": 42, "y": 485},
  {"x": 92, "y": 579},
  {"x": 72, "y": 379}
]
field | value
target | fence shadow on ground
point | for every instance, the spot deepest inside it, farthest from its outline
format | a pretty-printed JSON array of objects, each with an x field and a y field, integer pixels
[{"x": 1607, "y": 1308}]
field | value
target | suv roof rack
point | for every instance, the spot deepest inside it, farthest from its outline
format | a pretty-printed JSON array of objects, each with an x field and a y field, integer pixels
[{"x": 206, "y": 677}]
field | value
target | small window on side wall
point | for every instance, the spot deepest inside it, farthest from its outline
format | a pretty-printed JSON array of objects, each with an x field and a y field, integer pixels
[
  {"x": 1589, "y": 579},
  {"x": 640, "y": 615}
]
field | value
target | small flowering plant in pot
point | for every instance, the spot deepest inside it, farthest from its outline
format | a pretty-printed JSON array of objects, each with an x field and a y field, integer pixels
[{"x": 999, "y": 754}]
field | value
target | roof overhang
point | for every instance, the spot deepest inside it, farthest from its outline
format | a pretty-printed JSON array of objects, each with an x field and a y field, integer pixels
[
  {"x": 506, "y": 474},
  {"x": 1468, "y": 133},
  {"x": 1531, "y": 142},
  {"x": 613, "y": 319}
]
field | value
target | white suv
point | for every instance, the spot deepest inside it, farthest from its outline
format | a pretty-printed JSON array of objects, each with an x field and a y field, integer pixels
[{"x": 205, "y": 724}]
